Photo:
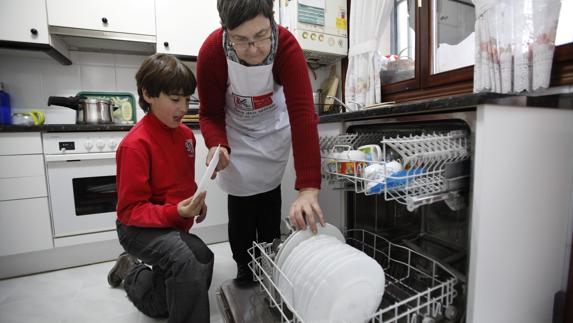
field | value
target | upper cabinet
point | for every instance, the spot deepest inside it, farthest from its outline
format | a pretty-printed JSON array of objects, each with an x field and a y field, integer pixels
[
  {"x": 24, "y": 25},
  {"x": 24, "y": 21},
  {"x": 124, "y": 16},
  {"x": 183, "y": 25}
]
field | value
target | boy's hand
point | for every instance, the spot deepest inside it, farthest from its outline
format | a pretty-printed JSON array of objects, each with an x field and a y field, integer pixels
[
  {"x": 223, "y": 159},
  {"x": 191, "y": 207},
  {"x": 202, "y": 214}
]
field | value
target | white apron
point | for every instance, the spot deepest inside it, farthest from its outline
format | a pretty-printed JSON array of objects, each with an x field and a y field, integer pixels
[{"x": 258, "y": 131}]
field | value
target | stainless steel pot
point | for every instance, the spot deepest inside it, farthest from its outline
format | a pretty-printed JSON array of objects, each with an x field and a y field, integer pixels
[{"x": 88, "y": 110}]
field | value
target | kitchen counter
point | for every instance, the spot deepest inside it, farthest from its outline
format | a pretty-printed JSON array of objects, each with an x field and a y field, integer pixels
[
  {"x": 74, "y": 127},
  {"x": 454, "y": 103},
  {"x": 450, "y": 103}
]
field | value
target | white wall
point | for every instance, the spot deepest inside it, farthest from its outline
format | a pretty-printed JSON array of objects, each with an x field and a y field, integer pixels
[{"x": 30, "y": 80}]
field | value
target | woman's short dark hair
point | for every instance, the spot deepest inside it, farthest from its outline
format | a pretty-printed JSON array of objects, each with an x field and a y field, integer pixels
[
  {"x": 235, "y": 12},
  {"x": 163, "y": 73}
]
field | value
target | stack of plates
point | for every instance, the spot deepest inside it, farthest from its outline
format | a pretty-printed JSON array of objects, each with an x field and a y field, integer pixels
[{"x": 325, "y": 280}]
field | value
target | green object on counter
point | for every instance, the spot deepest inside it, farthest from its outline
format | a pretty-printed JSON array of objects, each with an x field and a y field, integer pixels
[{"x": 122, "y": 105}]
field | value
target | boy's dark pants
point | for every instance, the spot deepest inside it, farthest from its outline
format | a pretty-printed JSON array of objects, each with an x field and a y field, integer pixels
[{"x": 177, "y": 284}]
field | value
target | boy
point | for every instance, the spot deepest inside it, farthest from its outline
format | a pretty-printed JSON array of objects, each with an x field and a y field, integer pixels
[{"x": 155, "y": 210}]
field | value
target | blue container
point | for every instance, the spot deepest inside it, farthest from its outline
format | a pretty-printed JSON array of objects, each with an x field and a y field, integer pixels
[{"x": 5, "y": 110}]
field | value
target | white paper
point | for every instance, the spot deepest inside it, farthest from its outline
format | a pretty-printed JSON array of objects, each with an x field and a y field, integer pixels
[{"x": 207, "y": 175}]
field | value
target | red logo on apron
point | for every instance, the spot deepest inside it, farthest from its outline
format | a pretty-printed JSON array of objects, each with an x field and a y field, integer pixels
[{"x": 262, "y": 101}]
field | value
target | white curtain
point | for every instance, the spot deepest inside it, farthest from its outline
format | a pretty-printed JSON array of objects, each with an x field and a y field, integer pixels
[
  {"x": 515, "y": 40},
  {"x": 368, "y": 18}
]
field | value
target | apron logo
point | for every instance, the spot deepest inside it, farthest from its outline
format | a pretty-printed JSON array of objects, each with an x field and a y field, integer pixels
[
  {"x": 189, "y": 148},
  {"x": 241, "y": 101},
  {"x": 253, "y": 102}
]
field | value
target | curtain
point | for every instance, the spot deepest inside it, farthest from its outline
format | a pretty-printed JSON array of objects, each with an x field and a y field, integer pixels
[
  {"x": 515, "y": 40},
  {"x": 368, "y": 18}
]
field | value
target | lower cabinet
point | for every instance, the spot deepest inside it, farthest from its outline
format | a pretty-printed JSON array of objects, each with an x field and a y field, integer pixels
[
  {"x": 24, "y": 210},
  {"x": 24, "y": 226}
]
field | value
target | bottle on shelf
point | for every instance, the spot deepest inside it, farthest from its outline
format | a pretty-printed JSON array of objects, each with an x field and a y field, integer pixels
[{"x": 5, "y": 110}]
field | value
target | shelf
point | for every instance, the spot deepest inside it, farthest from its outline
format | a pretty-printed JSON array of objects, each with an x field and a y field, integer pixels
[{"x": 410, "y": 170}]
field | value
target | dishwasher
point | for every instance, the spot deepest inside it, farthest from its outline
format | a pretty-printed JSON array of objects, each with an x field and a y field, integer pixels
[
  {"x": 474, "y": 226},
  {"x": 413, "y": 220}
]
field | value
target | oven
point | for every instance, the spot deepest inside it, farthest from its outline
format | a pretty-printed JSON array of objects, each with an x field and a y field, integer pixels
[{"x": 81, "y": 181}]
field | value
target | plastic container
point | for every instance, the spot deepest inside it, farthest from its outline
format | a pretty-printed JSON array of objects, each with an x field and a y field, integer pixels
[{"x": 5, "y": 109}]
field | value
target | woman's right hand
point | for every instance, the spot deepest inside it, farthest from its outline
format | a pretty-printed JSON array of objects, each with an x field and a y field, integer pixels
[{"x": 223, "y": 159}]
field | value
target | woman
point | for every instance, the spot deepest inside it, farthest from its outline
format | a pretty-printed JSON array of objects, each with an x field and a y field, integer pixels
[{"x": 255, "y": 96}]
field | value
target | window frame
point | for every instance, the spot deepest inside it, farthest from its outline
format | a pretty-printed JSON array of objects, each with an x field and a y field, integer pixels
[{"x": 458, "y": 81}]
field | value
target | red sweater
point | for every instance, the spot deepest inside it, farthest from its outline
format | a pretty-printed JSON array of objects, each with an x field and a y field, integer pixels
[
  {"x": 289, "y": 70},
  {"x": 155, "y": 171}
]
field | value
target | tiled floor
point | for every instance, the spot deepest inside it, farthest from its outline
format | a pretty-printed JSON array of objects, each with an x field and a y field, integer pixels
[{"x": 82, "y": 295}]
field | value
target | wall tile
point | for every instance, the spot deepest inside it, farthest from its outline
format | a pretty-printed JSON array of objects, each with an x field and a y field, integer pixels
[
  {"x": 125, "y": 79},
  {"x": 100, "y": 59},
  {"x": 97, "y": 78},
  {"x": 61, "y": 80},
  {"x": 124, "y": 60},
  {"x": 23, "y": 81}
]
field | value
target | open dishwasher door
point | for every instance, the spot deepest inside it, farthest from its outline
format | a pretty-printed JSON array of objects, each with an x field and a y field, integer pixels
[{"x": 244, "y": 304}]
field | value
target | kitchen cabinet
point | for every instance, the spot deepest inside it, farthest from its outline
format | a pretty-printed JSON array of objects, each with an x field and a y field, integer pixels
[
  {"x": 125, "y": 16},
  {"x": 522, "y": 215},
  {"x": 24, "y": 21},
  {"x": 24, "y": 25},
  {"x": 24, "y": 212},
  {"x": 182, "y": 26}
]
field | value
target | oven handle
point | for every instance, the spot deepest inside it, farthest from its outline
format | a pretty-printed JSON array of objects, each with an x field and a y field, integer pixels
[{"x": 78, "y": 157}]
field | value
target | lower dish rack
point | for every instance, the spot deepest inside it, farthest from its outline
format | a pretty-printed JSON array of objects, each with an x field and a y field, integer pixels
[{"x": 417, "y": 289}]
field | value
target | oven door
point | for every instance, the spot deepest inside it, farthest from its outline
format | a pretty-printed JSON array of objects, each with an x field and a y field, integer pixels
[{"x": 82, "y": 190}]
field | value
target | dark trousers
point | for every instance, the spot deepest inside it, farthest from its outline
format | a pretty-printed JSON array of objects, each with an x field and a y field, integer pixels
[
  {"x": 175, "y": 274},
  {"x": 253, "y": 218}
]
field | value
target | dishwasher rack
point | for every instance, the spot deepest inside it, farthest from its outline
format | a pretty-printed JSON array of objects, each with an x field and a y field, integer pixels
[
  {"x": 423, "y": 160},
  {"x": 418, "y": 288}
]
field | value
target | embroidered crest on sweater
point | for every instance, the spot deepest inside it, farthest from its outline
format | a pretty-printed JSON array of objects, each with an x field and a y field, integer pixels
[{"x": 189, "y": 148}]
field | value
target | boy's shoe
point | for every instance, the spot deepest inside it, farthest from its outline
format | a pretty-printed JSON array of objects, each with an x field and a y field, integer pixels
[{"x": 119, "y": 271}]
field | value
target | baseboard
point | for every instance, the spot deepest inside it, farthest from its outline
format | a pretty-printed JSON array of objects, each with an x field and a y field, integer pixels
[{"x": 68, "y": 256}]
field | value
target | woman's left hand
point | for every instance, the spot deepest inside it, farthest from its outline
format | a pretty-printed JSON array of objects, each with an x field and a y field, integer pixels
[{"x": 305, "y": 209}]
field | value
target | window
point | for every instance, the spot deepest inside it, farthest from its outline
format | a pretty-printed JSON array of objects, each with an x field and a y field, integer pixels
[{"x": 428, "y": 49}]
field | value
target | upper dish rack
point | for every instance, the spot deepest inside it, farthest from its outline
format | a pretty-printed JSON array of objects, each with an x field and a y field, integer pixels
[
  {"x": 417, "y": 289},
  {"x": 411, "y": 169}
]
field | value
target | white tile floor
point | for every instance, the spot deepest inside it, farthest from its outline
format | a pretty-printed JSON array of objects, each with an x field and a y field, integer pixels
[{"x": 82, "y": 295}]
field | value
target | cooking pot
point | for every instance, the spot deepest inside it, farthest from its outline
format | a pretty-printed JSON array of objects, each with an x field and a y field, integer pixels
[{"x": 88, "y": 110}]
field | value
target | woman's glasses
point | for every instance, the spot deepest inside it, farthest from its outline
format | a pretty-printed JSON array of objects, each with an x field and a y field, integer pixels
[{"x": 258, "y": 43}]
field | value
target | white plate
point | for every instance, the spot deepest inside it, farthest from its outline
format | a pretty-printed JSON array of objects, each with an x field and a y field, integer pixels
[
  {"x": 310, "y": 276},
  {"x": 300, "y": 254},
  {"x": 284, "y": 281},
  {"x": 296, "y": 238},
  {"x": 297, "y": 272},
  {"x": 208, "y": 172},
  {"x": 346, "y": 294}
]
